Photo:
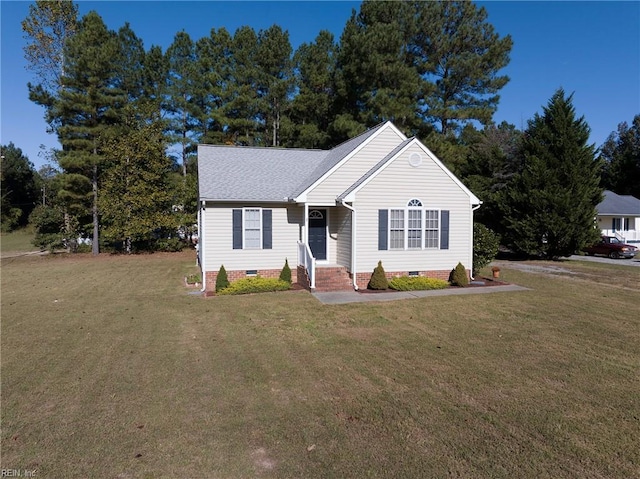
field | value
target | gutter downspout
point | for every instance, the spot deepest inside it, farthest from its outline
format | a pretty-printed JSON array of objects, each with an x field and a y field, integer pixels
[
  {"x": 472, "y": 210},
  {"x": 200, "y": 247},
  {"x": 353, "y": 242}
]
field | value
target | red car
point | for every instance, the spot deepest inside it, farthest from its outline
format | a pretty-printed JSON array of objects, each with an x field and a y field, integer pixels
[{"x": 612, "y": 247}]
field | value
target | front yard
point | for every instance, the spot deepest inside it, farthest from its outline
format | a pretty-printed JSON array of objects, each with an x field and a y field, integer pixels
[{"x": 110, "y": 368}]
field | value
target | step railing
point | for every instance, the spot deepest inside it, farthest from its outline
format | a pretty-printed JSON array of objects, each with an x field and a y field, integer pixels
[{"x": 306, "y": 259}]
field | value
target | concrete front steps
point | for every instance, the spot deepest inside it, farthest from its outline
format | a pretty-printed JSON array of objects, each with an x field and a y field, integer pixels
[{"x": 332, "y": 278}]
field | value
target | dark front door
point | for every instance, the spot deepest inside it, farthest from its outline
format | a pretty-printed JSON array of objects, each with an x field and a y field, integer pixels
[{"x": 318, "y": 233}]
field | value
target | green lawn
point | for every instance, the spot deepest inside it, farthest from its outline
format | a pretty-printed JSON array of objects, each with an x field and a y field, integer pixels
[
  {"x": 111, "y": 369},
  {"x": 17, "y": 241}
]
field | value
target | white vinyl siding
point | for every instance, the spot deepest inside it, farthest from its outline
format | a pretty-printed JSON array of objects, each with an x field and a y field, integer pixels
[
  {"x": 217, "y": 239},
  {"x": 341, "y": 179},
  {"x": 391, "y": 189}
]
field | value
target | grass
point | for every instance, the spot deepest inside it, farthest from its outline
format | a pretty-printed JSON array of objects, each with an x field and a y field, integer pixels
[
  {"x": 111, "y": 369},
  {"x": 17, "y": 241}
]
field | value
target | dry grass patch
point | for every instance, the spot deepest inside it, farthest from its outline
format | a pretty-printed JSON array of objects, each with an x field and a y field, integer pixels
[{"x": 111, "y": 369}]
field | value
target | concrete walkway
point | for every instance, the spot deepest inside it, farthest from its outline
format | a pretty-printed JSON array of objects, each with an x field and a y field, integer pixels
[{"x": 343, "y": 297}]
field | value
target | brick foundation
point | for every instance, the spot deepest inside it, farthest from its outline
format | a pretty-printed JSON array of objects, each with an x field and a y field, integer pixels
[
  {"x": 362, "y": 279},
  {"x": 239, "y": 274}
]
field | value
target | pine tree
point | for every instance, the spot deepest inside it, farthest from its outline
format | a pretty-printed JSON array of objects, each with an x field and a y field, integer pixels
[
  {"x": 85, "y": 108},
  {"x": 621, "y": 156},
  {"x": 315, "y": 65},
  {"x": 459, "y": 56},
  {"x": 549, "y": 208},
  {"x": 376, "y": 79},
  {"x": 222, "y": 281},
  {"x": 181, "y": 57},
  {"x": 378, "y": 278}
]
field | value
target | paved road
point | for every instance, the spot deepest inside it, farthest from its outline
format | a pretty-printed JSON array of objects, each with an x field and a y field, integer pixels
[{"x": 601, "y": 259}]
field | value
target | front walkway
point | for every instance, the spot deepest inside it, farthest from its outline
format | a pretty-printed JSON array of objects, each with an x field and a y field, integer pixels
[{"x": 343, "y": 297}]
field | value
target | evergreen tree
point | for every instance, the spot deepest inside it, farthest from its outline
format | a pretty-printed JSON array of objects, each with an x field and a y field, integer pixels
[
  {"x": 275, "y": 81},
  {"x": 85, "y": 108},
  {"x": 549, "y": 208},
  {"x": 315, "y": 65},
  {"x": 155, "y": 73},
  {"x": 621, "y": 156},
  {"x": 458, "y": 54},
  {"x": 376, "y": 79},
  {"x": 242, "y": 106},
  {"x": 181, "y": 91},
  {"x": 493, "y": 158}
]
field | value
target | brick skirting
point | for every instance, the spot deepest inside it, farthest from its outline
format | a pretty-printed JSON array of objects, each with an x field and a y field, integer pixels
[
  {"x": 299, "y": 275},
  {"x": 239, "y": 274}
]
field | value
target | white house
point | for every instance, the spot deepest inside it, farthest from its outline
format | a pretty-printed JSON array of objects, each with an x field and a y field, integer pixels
[
  {"x": 619, "y": 216},
  {"x": 332, "y": 213}
]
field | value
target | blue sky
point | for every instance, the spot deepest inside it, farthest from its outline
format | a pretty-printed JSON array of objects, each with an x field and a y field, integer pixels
[{"x": 589, "y": 48}]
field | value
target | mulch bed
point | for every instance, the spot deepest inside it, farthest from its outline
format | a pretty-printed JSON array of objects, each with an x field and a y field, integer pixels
[{"x": 476, "y": 283}]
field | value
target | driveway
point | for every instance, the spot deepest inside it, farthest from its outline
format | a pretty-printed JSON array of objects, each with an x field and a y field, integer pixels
[{"x": 602, "y": 259}]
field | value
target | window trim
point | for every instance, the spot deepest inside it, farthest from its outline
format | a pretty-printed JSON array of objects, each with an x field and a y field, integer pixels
[
  {"x": 415, "y": 204},
  {"x": 244, "y": 228}
]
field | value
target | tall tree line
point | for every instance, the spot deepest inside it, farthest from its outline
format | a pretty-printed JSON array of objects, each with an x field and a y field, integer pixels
[{"x": 433, "y": 68}]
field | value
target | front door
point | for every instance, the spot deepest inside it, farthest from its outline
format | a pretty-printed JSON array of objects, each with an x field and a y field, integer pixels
[{"x": 318, "y": 233}]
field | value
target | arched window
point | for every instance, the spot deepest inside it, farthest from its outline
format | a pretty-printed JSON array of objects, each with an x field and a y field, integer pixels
[
  {"x": 315, "y": 215},
  {"x": 414, "y": 202}
]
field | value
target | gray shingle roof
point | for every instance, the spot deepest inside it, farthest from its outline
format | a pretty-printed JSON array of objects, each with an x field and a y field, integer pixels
[
  {"x": 614, "y": 204},
  {"x": 237, "y": 173}
]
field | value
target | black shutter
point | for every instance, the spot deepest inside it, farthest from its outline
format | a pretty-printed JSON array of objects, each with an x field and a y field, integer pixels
[
  {"x": 237, "y": 229},
  {"x": 266, "y": 229},
  {"x": 444, "y": 229},
  {"x": 383, "y": 229}
]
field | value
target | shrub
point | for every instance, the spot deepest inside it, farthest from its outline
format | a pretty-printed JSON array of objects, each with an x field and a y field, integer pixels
[
  {"x": 193, "y": 279},
  {"x": 222, "y": 281},
  {"x": 458, "y": 276},
  {"x": 255, "y": 285},
  {"x": 415, "y": 283},
  {"x": 378, "y": 278},
  {"x": 170, "y": 245},
  {"x": 285, "y": 274},
  {"x": 485, "y": 246}
]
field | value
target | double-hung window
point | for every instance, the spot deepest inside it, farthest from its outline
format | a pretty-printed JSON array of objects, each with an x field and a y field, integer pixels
[
  {"x": 413, "y": 227},
  {"x": 431, "y": 228},
  {"x": 396, "y": 229},
  {"x": 252, "y": 228}
]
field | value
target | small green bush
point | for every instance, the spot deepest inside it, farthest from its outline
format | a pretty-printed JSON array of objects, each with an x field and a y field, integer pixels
[
  {"x": 255, "y": 285},
  {"x": 416, "y": 283},
  {"x": 458, "y": 276},
  {"x": 485, "y": 246},
  {"x": 285, "y": 274},
  {"x": 222, "y": 281},
  {"x": 193, "y": 279},
  {"x": 378, "y": 278}
]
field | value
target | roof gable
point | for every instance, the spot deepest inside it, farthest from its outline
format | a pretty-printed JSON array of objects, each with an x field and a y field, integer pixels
[
  {"x": 341, "y": 154},
  {"x": 349, "y": 194},
  {"x": 614, "y": 204}
]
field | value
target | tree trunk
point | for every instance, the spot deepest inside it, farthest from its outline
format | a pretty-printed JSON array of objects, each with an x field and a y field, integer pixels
[{"x": 95, "y": 247}]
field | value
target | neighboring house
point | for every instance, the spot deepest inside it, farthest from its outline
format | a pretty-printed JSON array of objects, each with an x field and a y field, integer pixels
[
  {"x": 619, "y": 216},
  {"x": 332, "y": 213}
]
